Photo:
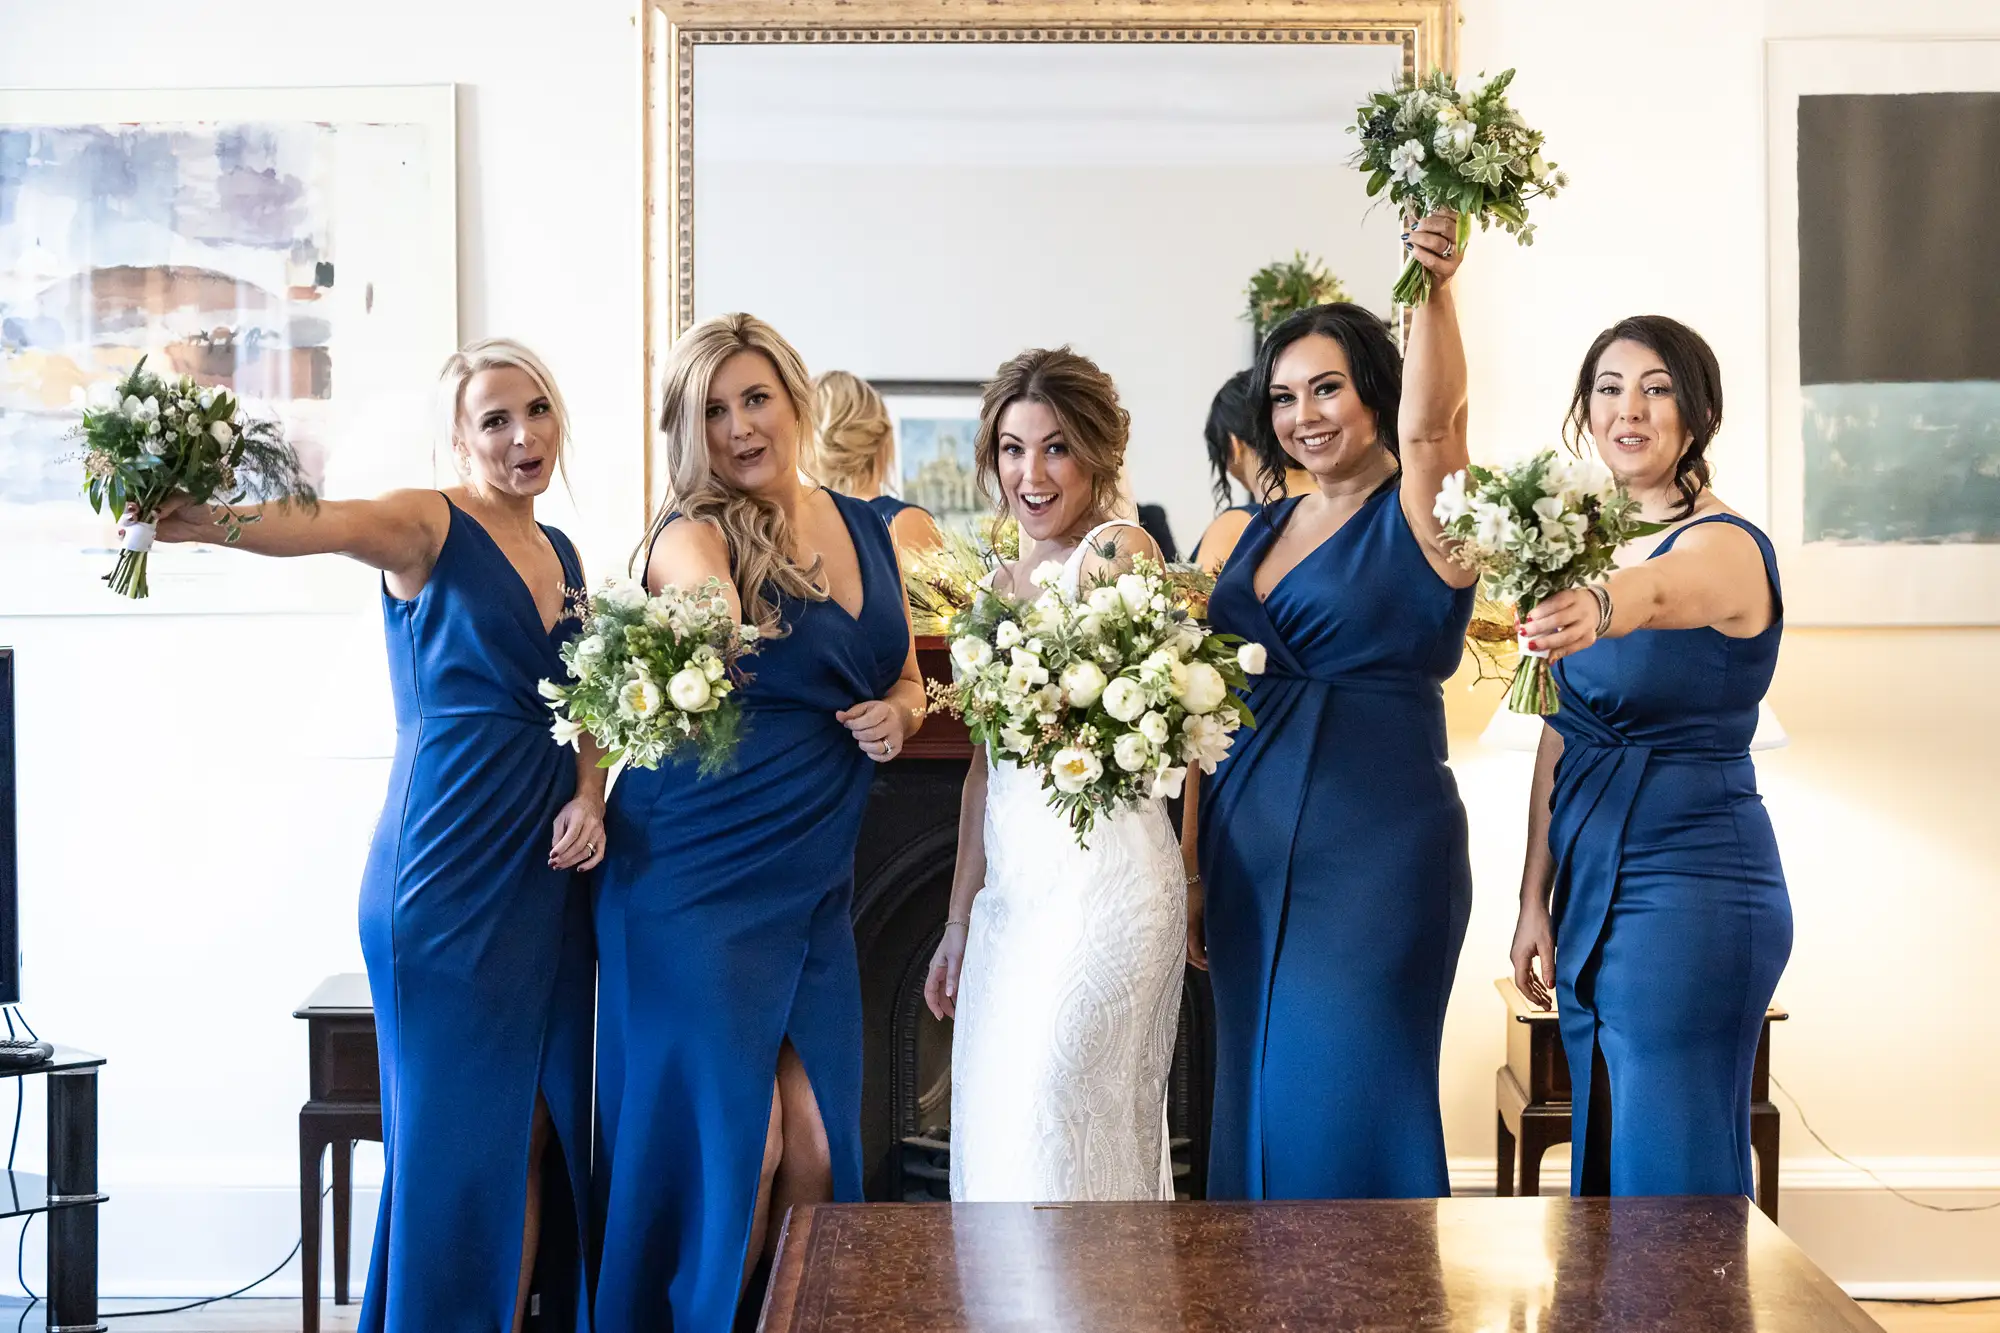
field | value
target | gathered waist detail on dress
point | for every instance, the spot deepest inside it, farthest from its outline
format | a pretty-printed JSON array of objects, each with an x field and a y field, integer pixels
[
  {"x": 1360, "y": 682},
  {"x": 526, "y": 718}
]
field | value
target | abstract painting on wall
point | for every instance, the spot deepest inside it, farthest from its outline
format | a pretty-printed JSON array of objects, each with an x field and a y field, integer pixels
[
  {"x": 1885, "y": 319},
  {"x": 295, "y": 246}
]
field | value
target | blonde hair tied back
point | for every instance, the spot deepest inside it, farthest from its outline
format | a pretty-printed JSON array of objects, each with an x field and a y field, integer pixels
[
  {"x": 496, "y": 354},
  {"x": 852, "y": 444},
  {"x": 756, "y": 529}
]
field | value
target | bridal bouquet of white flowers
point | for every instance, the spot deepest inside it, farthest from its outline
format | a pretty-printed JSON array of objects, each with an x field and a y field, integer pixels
[
  {"x": 148, "y": 438},
  {"x": 1531, "y": 531},
  {"x": 1113, "y": 695},
  {"x": 1433, "y": 148},
  {"x": 653, "y": 675}
]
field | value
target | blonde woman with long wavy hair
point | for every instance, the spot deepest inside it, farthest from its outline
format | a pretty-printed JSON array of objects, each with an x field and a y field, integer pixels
[
  {"x": 729, "y": 1005},
  {"x": 853, "y": 450},
  {"x": 475, "y": 930}
]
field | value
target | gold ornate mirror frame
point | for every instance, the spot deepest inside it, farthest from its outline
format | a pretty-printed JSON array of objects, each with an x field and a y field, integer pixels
[{"x": 674, "y": 30}]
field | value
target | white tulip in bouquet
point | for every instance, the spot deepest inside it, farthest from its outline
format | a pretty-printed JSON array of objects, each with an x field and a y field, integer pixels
[
  {"x": 1433, "y": 147},
  {"x": 148, "y": 437},
  {"x": 653, "y": 675},
  {"x": 1113, "y": 696},
  {"x": 1531, "y": 531}
]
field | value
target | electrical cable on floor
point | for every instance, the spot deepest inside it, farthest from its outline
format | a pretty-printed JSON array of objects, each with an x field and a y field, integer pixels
[{"x": 210, "y": 1300}]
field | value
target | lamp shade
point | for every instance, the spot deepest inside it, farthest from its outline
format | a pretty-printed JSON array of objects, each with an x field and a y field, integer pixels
[{"x": 1510, "y": 730}]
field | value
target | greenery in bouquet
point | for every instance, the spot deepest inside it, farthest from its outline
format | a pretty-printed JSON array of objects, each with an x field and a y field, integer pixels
[
  {"x": 1432, "y": 147},
  {"x": 1287, "y": 287},
  {"x": 146, "y": 438},
  {"x": 653, "y": 676},
  {"x": 1532, "y": 530},
  {"x": 1113, "y": 695}
]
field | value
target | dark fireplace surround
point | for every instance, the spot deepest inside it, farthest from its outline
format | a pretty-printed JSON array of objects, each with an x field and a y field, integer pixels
[{"x": 902, "y": 890}]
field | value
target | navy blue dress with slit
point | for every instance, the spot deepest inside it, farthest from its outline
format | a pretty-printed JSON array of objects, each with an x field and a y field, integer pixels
[
  {"x": 722, "y": 913},
  {"x": 478, "y": 955},
  {"x": 1671, "y": 917},
  {"x": 1333, "y": 845}
]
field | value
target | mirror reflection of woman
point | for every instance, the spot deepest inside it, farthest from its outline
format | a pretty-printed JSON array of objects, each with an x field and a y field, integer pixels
[
  {"x": 475, "y": 932},
  {"x": 854, "y": 450},
  {"x": 1331, "y": 870},
  {"x": 1060, "y": 964},
  {"x": 729, "y": 1005},
  {"x": 1231, "y": 422},
  {"x": 1671, "y": 923}
]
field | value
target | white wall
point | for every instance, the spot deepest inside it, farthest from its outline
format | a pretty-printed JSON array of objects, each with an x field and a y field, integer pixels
[
  {"x": 182, "y": 959},
  {"x": 186, "y": 882}
]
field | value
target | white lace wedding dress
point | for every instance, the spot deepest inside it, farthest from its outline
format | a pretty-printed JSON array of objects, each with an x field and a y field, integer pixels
[{"x": 1067, "y": 1000}]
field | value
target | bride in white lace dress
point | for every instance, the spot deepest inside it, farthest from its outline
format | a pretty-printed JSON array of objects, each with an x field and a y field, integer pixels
[{"x": 1060, "y": 965}]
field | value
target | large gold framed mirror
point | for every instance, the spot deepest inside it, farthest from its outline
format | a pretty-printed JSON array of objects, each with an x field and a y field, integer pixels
[{"x": 914, "y": 190}]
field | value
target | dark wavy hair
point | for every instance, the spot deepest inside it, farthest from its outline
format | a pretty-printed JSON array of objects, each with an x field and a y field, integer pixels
[
  {"x": 1375, "y": 369},
  {"x": 1229, "y": 415},
  {"x": 1697, "y": 378}
]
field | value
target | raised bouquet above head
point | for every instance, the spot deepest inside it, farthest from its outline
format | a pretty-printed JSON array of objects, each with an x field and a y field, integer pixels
[
  {"x": 653, "y": 676},
  {"x": 1113, "y": 695},
  {"x": 147, "y": 438},
  {"x": 1432, "y": 147},
  {"x": 1532, "y": 530}
]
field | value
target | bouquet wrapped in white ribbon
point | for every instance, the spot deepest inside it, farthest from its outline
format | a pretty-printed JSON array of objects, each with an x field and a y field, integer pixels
[
  {"x": 1531, "y": 531},
  {"x": 148, "y": 437},
  {"x": 652, "y": 676},
  {"x": 1113, "y": 696},
  {"x": 1432, "y": 147}
]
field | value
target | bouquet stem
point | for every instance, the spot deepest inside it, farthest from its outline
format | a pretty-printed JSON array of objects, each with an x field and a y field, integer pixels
[
  {"x": 1534, "y": 688},
  {"x": 1413, "y": 288},
  {"x": 128, "y": 577}
]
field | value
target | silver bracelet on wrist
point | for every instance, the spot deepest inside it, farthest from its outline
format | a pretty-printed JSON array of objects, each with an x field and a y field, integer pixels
[{"x": 1603, "y": 596}]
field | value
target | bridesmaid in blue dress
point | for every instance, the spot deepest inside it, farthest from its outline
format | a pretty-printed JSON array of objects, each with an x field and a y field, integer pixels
[
  {"x": 1231, "y": 422},
  {"x": 475, "y": 930},
  {"x": 1332, "y": 852},
  {"x": 729, "y": 1064},
  {"x": 1652, "y": 886},
  {"x": 853, "y": 450}
]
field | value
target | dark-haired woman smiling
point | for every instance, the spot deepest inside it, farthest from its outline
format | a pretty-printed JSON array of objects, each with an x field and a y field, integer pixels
[
  {"x": 1332, "y": 840},
  {"x": 1670, "y": 904}
]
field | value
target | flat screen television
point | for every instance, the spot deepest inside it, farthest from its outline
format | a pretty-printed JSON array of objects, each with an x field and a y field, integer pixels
[{"x": 10, "y": 916}]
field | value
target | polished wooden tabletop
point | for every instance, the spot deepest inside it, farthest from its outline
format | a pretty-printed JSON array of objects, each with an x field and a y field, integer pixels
[{"x": 1533, "y": 1265}]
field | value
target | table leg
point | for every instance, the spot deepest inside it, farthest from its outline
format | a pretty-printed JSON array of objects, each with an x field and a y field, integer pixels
[
  {"x": 1503, "y": 1177},
  {"x": 73, "y": 1200},
  {"x": 1764, "y": 1145},
  {"x": 1537, "y": 1137},
  {"x": 311, "y": 1146},
  {"x": 343, "y": 1214}
]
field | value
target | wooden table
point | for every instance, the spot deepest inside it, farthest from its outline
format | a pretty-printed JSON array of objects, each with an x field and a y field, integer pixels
[
  {"x": 1701, "y": 1265},
  {"x": 345, "y": 1105},
  {"x": 1532, "y": 1099}
]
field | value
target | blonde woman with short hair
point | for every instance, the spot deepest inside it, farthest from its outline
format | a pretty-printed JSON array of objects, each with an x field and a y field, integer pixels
[
  {"x": 475, "y": 930},
  {"x": 853, "y": 450},
  {"x": 729, "y": 1004}
]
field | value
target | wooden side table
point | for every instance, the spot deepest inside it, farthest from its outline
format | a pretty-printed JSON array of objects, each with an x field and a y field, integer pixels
[
  {"x": 346, "y": 1105},
  {"x": 1532, "y": 1096}
]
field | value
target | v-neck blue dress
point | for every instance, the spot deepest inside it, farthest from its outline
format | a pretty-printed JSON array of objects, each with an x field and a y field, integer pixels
[
  {"x": 1672, "y": 921},
  {"x": 1333, "y": 847},
  {"x": 722, "y": 913},
  {"x": 478, "y": 954}
]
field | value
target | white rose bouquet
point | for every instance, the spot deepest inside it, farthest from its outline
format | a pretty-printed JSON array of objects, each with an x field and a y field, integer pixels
[
  {"x": 1114, "y": 696},
  {"x": 1433, "y": 148},
  {"x": 1531, "y": 531},
  {"x": 653, "y": 675},
  {"x": 148, "y": 437}
]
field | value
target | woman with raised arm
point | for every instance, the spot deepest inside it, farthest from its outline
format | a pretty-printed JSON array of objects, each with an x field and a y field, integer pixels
[
  {"x": 1061, "y": 964},
  {"x": 1670, "y": 923},
  {"x": 729, "y": 1001},
  {"x": 1231, "y": 425},
  {"x": 475, "y": 932},
  {"x": 853, "y": 450},
  {"x": 1331, "y": 871}
]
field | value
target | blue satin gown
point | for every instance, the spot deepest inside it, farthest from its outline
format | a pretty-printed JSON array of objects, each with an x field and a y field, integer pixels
[
  {"x": 723, "y": 928},
  {"x": 1672, "y": 922},
  {"x": 1333, "y": 846},
  {"x": 478, "y": 954}
]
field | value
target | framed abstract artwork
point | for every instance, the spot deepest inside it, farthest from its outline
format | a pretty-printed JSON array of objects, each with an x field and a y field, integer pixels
[
  {"x": 1884, "y": 179},
  {"x": 297, "y": 246}
]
